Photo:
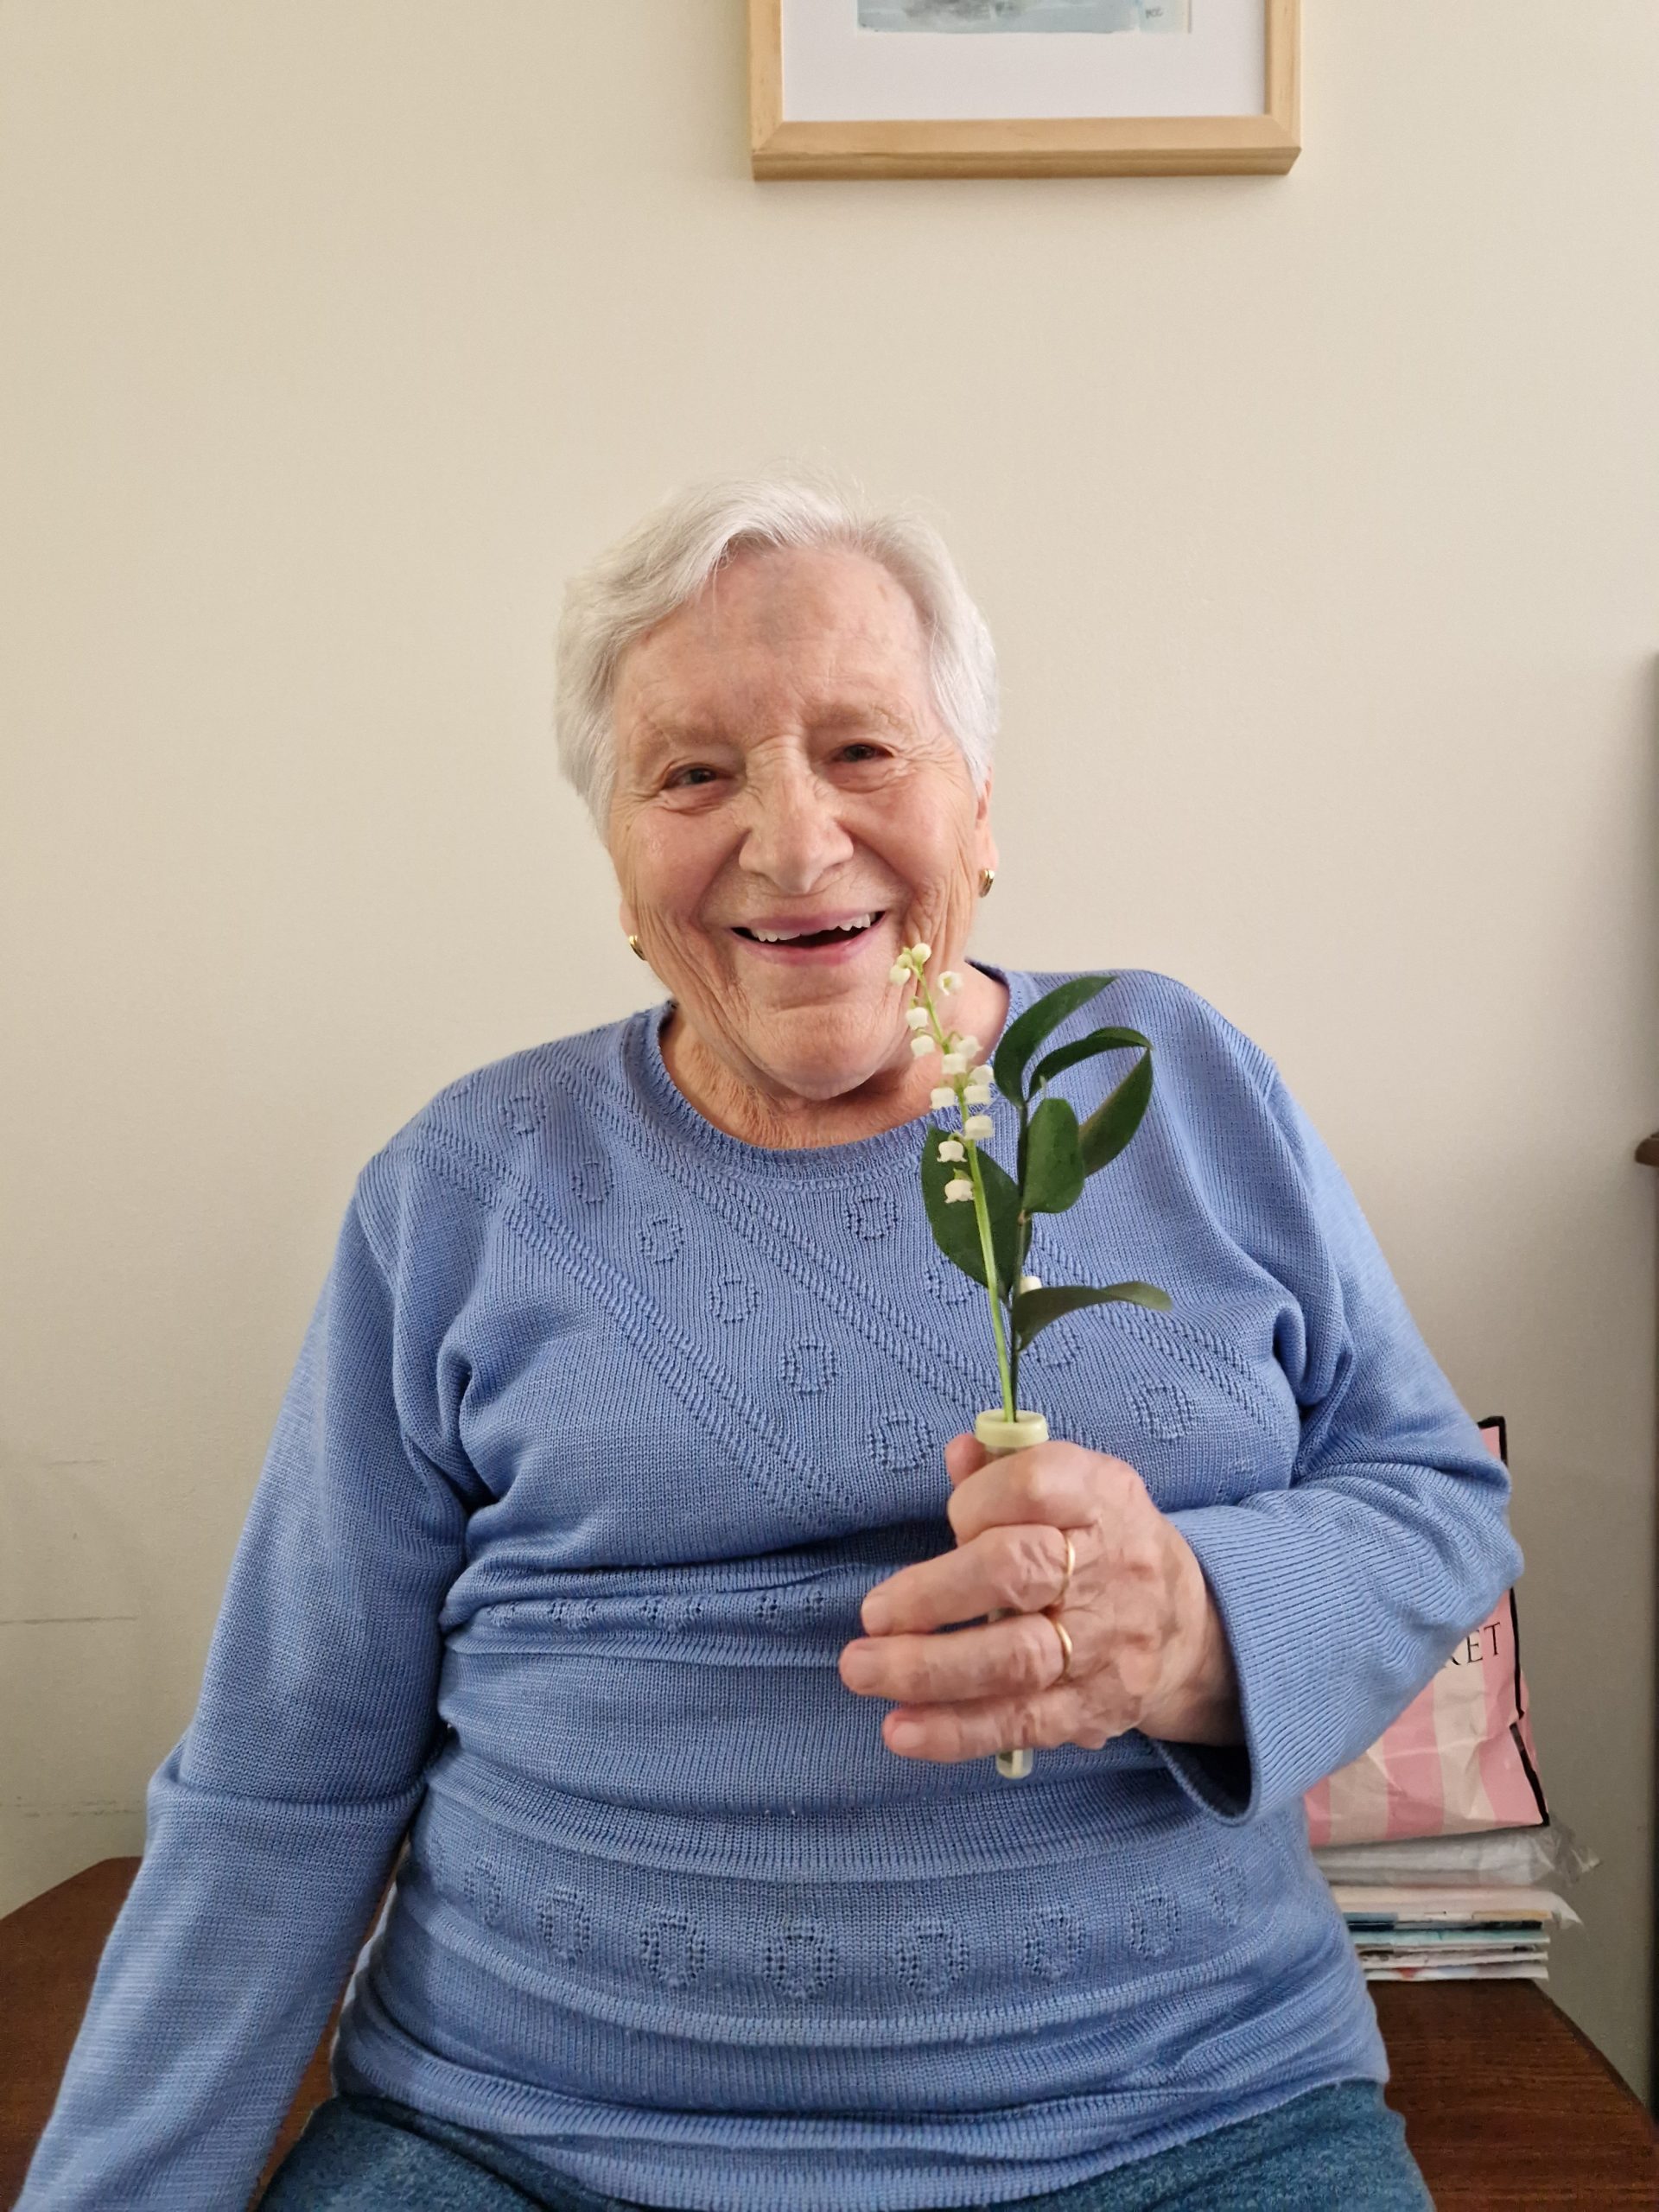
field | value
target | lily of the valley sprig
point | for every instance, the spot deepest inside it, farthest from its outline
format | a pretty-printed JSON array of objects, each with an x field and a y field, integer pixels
[{"x": 982, "y": 1217}]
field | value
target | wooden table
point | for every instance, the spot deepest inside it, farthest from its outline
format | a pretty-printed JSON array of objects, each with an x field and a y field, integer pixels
[{"x": 1507, "y": 2107}]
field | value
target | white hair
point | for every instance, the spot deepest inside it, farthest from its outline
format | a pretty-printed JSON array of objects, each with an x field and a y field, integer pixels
[{"x": 666, "y": 560}]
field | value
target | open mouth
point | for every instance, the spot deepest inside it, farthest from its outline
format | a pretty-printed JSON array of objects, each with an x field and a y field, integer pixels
[{"x": 811, "y": 940}]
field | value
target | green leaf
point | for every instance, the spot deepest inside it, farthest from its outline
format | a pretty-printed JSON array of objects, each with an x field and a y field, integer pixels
[
  {"x": 1002, "y": 1204},
  {"x": 1035, "y": 1309},
  {"x": 1021, "y": 1038},
  {"x": 1087, "y": 1048},
  {"x": 1054, "y": 1170},
  {"x": 956, "y": 1227},
  {"x": 1111, "y": 1125}
]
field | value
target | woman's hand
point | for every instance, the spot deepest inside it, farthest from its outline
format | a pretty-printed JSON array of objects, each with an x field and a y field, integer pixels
[{"x": 1148, "y": 1647}]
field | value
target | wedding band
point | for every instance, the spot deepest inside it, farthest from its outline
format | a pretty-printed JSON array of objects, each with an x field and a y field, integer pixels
[
  {"x": 1070, "y": 1561},
  {"x": 1064, "y": 1674}
]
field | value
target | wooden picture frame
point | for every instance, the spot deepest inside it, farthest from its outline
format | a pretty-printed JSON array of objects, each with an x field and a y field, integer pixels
[{"x": 1088, "y": 145}]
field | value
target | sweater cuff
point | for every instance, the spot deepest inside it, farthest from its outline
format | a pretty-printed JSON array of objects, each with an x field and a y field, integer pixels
[
  {"x": 1236, "y": 1783},
  {"x": 1217, "y": 1778}
]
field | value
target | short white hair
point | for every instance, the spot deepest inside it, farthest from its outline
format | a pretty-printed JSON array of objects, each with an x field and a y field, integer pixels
[{"x": 666, "y": 560}]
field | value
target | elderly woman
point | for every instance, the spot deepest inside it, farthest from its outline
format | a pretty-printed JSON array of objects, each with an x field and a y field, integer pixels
[{"x": 619, "y": 1562}]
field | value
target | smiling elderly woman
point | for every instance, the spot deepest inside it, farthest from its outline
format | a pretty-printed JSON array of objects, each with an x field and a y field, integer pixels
[{"x": 618, "y": 1503}]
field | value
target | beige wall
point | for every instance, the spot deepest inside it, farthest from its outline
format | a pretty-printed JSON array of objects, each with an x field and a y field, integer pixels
[{"x": 1317, "y": 520}]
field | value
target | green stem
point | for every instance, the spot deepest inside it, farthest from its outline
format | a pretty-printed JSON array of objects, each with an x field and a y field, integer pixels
[
  {"x": 1024, "y": 1241},
  {"x": 983, "y": 1215}
]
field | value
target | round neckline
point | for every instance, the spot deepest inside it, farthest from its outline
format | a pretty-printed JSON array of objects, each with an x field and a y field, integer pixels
[{"x": 857, "y": 1156}]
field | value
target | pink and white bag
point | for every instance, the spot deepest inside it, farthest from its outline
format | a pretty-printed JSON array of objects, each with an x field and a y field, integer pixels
[{"x": 1460, "y": 1758}]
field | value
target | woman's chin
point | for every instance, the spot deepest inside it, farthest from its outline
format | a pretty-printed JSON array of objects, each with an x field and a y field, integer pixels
[
  {"x": 820, "y": 1081},
  {"x": 826, "y": 1065}
]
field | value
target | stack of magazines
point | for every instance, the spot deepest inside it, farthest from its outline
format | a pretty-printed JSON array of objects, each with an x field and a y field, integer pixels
[{"x": 1456, "y": 1908}]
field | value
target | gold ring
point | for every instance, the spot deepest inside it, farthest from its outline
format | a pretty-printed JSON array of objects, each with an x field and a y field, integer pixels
[
  {"x": 1070, "y": 1562},
  {"x": 1064, "y": 1674}
]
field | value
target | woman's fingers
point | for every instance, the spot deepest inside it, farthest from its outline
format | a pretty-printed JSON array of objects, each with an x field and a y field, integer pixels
[
  {"x": 1017, "y": 1657},
  {"x": 1060, "y": 1483},
  {"x": 1042, "y": 1722},
  {"x": 1132, "y": 1604},
  {"x": 1148, "y": 1649},
  {"x": 1022, "y": 1567},
  {"x": 964, "y": 1456}
]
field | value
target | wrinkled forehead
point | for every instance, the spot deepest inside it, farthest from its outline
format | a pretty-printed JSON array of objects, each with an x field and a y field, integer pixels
[{"x": 805, "y": 636}]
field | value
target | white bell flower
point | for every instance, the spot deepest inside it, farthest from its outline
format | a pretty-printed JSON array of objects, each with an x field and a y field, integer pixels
[
  {"x": 951, "y": 1150},
  {"x": 899, "y": 972},
  {"x": 921, "y": 1046},
  {"x": 977, "y": 1094},
  {"x": 1029, "y": 1282},
  {"x": 944, "y": 1095},
  {"x": 967, "y": 1047},
  {"x": 958, "y": 1189},
  {"x": 949, "y": 981},
  {"x": 982, "y": 1073},
  {"x": 979, "y": 1125},
  {"x": 916, "y": 1017},
  {"x": 955, "y": 1063},
  {"x": 918, "y": 955}
]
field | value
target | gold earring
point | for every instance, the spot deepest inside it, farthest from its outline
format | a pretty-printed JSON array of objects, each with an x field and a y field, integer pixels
[
  {"x": 636, "y": 948},
  {"x": 986, "y": 877}
]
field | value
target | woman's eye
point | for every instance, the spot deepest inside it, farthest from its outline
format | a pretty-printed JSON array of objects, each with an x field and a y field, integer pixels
[
  {"x": 689, "y": 778},
  {"x": 861, "y": 751}
]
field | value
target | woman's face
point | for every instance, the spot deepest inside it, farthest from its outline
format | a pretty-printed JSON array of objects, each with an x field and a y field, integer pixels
[{"x": 782, "y": 774}]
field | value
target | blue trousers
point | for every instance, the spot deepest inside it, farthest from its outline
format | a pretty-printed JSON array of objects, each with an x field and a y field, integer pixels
[{"x": 1338, "y": 2146}]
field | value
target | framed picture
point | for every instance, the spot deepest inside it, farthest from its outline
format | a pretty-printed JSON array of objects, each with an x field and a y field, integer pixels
[{"x": 887, "y": 88}]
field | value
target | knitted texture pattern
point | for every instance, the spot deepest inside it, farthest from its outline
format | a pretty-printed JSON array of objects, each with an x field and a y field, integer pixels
[{"x": 604, "y": 1425}]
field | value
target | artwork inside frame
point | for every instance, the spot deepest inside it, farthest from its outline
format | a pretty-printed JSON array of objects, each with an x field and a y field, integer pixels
[
  {"x": 894, "y": 88},
  {"x": 1013, "y": 16}
]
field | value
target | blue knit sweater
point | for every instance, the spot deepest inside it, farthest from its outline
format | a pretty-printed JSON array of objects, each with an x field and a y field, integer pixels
[{"x": 604, "y": 1425}]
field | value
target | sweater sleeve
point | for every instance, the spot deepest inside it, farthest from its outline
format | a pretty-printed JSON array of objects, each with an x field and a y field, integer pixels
[
  {"x": 1343, "y": 1593},
  {"x": 272, "y": 1826}
]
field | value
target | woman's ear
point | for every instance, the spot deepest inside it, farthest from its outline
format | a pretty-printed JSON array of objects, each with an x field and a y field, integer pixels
[{"x": 984, "y": 843}]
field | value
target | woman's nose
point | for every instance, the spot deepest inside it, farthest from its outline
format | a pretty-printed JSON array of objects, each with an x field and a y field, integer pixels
[{"x": 795, "y": 838}]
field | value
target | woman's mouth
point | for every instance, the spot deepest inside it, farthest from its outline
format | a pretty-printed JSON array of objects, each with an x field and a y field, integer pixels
[{"x": 811, "y": 936}]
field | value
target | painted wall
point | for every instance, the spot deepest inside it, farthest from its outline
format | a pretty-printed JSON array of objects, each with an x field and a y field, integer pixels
[{"x": 1318, "y": 520}]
